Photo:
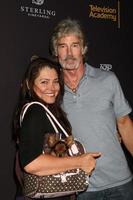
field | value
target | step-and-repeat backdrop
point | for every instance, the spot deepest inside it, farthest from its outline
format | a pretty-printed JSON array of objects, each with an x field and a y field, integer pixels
[{"x": 108, "y": 28}]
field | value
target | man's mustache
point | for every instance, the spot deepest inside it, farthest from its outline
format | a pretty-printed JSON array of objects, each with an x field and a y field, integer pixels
[{"x": 69, "y": 58}]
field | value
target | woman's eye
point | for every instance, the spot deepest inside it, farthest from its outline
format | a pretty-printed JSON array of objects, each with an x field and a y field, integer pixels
[{"x": 56, "y": 81}]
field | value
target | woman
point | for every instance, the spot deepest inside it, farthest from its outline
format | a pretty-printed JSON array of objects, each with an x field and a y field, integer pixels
[{"x": 43, "y": 82}]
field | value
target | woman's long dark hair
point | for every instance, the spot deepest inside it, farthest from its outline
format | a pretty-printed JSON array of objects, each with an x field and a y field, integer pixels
[{"x": 27, "y": 94}]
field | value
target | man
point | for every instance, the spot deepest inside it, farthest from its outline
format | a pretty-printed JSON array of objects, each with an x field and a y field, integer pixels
[{"x": 96, "y": 108}]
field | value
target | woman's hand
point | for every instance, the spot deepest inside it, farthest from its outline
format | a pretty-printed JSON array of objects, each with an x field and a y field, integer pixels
[{"x": 88, "y": 162}]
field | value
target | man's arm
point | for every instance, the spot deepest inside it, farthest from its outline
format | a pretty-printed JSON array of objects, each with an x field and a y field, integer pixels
[{"x": 125, "y": 128}]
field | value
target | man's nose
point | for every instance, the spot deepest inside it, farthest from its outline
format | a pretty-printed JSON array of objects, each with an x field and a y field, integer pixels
[{"x": 69, "y": 51}]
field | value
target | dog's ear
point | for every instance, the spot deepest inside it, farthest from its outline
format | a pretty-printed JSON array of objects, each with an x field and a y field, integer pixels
[
  {"x": 52, "y": 140},
  {"x": 69, "y": 141}
]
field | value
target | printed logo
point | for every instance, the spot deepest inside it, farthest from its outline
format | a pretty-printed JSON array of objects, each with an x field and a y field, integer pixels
[
  {"x": 108, "y": 13},
  {"x": 105, "y": 13},
  {"x": 37, "y": 10},
  {"x": 38, "y": 2},
  {"x": 106, "y": 67}
]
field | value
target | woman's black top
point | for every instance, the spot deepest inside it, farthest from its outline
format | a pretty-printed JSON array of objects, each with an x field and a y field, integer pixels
[{"x": 34, "y": 125}]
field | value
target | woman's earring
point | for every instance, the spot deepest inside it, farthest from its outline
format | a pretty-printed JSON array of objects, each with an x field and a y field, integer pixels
[
  {"x": 27, "y": 84},
  {"x": 29, "y": 93}
]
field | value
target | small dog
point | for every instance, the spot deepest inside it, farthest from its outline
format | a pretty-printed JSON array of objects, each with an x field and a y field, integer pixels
[{"x": 55, "y": 146}]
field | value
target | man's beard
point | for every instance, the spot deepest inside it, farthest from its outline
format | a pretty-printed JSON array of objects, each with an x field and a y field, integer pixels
[{"x": 70, "y": 63}]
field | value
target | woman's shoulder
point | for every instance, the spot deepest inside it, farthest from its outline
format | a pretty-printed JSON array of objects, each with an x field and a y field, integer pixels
[{"x": 34, "y": 109}]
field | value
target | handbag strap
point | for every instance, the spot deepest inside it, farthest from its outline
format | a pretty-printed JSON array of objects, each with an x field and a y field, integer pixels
[
  {"x": 49, "y": 114},
  {"x": 52, "y": 118}
]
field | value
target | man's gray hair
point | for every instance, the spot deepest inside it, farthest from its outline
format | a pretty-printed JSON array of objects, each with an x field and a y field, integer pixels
[{"x": 66, "y": 27}]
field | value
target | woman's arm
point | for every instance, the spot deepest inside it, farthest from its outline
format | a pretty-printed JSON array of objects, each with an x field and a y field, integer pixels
[
  {"x": 48, "y": 164},
  {"x": 35, "y": 125}
]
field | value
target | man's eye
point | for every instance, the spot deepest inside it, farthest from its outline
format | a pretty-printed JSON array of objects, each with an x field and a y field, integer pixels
[
  {"x": 44, "y": 82},
  {"x": 75, "y": 45},
  {"x": 62, "y": 46}
]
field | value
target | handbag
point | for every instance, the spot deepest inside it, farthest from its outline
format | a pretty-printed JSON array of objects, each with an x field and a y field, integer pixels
[{"x": 61, "y": 184}]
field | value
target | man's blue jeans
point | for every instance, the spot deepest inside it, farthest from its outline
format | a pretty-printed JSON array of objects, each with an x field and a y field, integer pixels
[{"x": 123, "y": 192}]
